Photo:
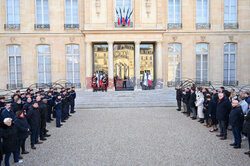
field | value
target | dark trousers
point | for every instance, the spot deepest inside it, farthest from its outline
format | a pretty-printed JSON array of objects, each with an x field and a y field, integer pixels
[
  {"x": 193, "y": 111},
  {"x": 67, "y": 110},
  {"x": 206, "y": 115},
  {"x": 21, "y": 145},
  {"x": 34, "y": 136},
  {"x": 7, "y": 157},
  {"x": 223, "y": 128},
  {"x": 58, "y": 117},
  {"x": 249, "y": 141},
  {"x": 237, "y": 135},
  {"x": 64, "y": 112},
  {"x": 43, "y": 128},
  {"x": 104, "y": 87},
  {"x": 179, "y": 104},
  {"x": 54, "y": 112},
  {"x": 49, "y": 113},
  {"x": 72, "y": 106},
  {"x": 188, "y": 109}
]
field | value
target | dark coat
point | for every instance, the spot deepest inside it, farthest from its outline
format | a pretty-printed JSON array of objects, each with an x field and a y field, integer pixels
[
  {"x": 16, "y": 107},
  {"x": 187, "y": 97},
  {"x": 10, "y": 139},
  {"x": 236, "y": 117},
  {"x": 1, "y": 144},
  {"x": 192, "y": 100},
  {"x": 212, "y": 111},
  {"x": 8, "y": 114},
  {"x": 178, "y": 94},
  {"x": 215, "y": 97},
  {"x": 223, "y": 109},
  {"x": 22, "y": 126},
  {"x": 43, "y": 109},
  {"x": 34, "y": 118},
  {"x": 246, "y": 124}
]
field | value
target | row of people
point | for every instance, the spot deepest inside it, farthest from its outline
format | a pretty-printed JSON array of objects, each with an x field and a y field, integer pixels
[
  {"x": 229, "y": 110},
  {"x": 26, "y": 114}
]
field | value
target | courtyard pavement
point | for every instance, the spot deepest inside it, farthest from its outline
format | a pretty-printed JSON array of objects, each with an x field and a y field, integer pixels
[{"x": 133, "y": 136}]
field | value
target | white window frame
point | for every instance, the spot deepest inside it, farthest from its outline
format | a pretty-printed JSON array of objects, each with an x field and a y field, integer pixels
[
  {"x": 174, "y": 14},
  {"x": 73, "y": 56},
  {"x": 229, "y": 66},
  {"x": 15, "y": 65},
  {"x": 71, "y": 13},
  {"x": 44, "y": 65},
  {"x": 13, "y": 12},
  {"x": 201, "y": 62},
  {"x": 204, "y": 20},
  {"x": 229, "y": 13},
  {"x": 174, "y": 55},
  {"x": 42, "y": 10}
]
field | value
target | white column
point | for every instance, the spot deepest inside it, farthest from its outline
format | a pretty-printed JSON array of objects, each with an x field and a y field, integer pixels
[
  {"x": 89, "y": 65},
  {"x": 159, "y": 80},
  {"x": 111, "y": 66},
  {"x": 137, "y": 65}
]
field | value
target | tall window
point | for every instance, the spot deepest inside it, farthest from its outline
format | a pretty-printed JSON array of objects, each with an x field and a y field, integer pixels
[
  {"x": 202, "y": 14},
  {"x": 73, "y": 66},
  {"x": 123, "y": 13},
  {"x": 229, "y": 63},
  {"x": 15, "y": 67},
  {"x": 13, "y": 18},
  {"x": 174, "y": 63},
  {"x": 42, "y": 14},
  {"x": 230, "y": 14},
  {"x": 202, "y": 63},
  {"x": 44, "y": 64},
  {"x": 174, "y": 13},
  {"x": 71, "y": 14}
]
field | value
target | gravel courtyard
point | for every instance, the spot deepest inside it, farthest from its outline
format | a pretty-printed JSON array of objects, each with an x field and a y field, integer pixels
[{"x": 134, "y": 136}]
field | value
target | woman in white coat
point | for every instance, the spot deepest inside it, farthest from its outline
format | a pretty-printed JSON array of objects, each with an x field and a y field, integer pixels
[{"x": 199, "y": 105}]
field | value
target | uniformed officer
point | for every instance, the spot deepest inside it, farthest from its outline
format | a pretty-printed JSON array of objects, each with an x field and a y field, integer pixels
[
  {"x": 72, "y": 104},
  {"x": 58, "y": 108}
]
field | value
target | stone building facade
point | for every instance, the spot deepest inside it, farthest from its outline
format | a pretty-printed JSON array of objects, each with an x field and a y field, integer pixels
[{"x": 43, "y": 41}]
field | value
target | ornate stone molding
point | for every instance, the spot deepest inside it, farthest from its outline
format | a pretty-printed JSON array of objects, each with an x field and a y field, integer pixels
[
  {"x": 98, "y": 7},
  {"x": 174, "y": 38},
  {"x": 231, "y": 38},
  {"x": 203, "y": 38},
  {"x": 12, "y": 39},
  {"x": 42, "y": 39},
  {"x": 148, "y": 4}
]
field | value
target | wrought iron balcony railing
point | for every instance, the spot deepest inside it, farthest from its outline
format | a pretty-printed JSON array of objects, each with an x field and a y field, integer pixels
[
  {"x": 42, "y": 26},
  {"x": 11, "y": 26},
  {"x": 174, "y": 25},
  {"x": 71, "y": 26},
  {"x": 15, "y": 86},
  {"x": 231, "y": 25},
  {"x": 230, "y": 83},
  {"x": 69, "y": 85},
  {"x": 203, "y": 25}
]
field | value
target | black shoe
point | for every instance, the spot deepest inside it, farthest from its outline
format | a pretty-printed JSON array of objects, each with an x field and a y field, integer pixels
[
  {"x": 47, "y": 135},
  {"x": 33, "y": 147},
  {"x": 193, "y": 118},
  {"x": 237, "y": 147},
  {"x": 61, "y": 124},
  {"x": 39, "y": 143},
  {"x": 46, "y": 130},
  {"x": 48, "y": 121},
  {"x": 223, "y": 138},
  {"x": 72, "y": 112},
  {"x": 43, "y": 139},
  {"x": 63, "y": 121},
  {"x": 58, "y": 126},
  {"x": 51, "y": 119},
  {"x": 232, "y": 144},
  {"x": 202, "y": 121},
  {"x": 70, "y": 115}
]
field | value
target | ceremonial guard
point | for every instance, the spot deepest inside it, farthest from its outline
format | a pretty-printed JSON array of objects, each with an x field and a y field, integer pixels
[
  {"x": 58, "y": 109},
  {"x": 72, "y": 104}
]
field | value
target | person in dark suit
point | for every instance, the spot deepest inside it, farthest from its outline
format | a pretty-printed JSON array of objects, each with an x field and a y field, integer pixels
[
  {"x": 222, "y": 115},
  {"x": 10, "y": 141},
  {"x": 192, "y": 101},
  {"x": 178, "y": 97},
  {"x": 7, "y": 112},
  {"x": 23, "y": 128},
  {"x": 246, "y": 128},
  {"x": 17, "y": 105},
  {"x": 58, "y": 108},
  {"x": 212, "y": 105},
  {"x": 34, "y": 119},
  {"x": 236, "y": 118},
  {"x": 72, "y": 104}
]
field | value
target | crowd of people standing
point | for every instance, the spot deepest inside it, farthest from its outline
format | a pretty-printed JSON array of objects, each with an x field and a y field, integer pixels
[
  {"x": 228, "y": 109},
  {"x": 26, "y": 114}
]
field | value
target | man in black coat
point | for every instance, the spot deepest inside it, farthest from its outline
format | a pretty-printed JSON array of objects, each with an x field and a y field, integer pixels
[
  {"x": 34, "y": 119},
  {"x": 222, "y": 115},
  {"x": 10, "y": 141},
  {"x": 23, "y": 128},
  {"x": 43, "y": 108},
  {"x": 17, "y": 105},
  {"x": 236, "y": 118},
  {"x": 178, "y": 97},
  {"x": 191, "y": 102},
  {"x": 72, "y": 104},
  {"x": 7, "y": 112}
]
